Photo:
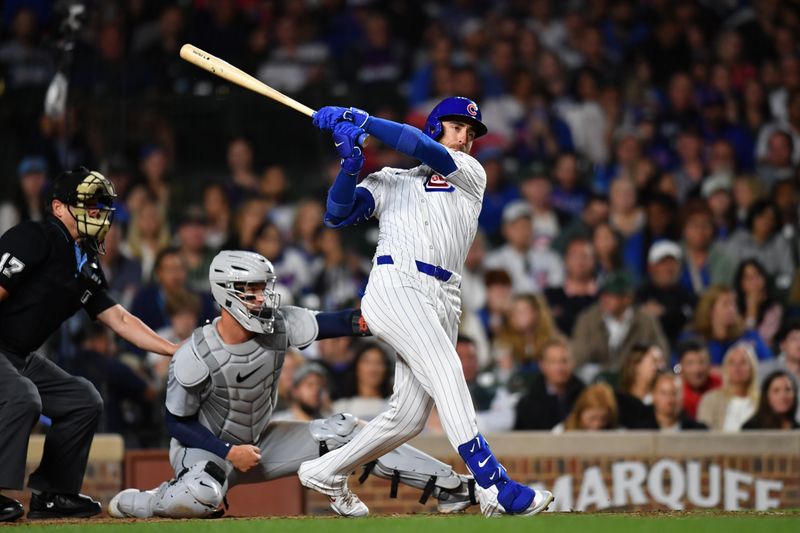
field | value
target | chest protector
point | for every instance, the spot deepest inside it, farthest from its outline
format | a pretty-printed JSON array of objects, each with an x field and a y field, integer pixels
[{"x": 241, "y": 389}]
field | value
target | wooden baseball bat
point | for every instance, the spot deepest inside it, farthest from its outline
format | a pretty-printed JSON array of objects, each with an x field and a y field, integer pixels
[{"x": 223, "y": 69}]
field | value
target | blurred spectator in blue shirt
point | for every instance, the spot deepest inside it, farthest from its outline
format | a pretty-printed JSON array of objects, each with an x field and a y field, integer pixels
[
  {"x": 498, "y": 192},
  {"x": 27, "y": 64},
  {"x": 124, "y": 275},
  {"x": 569, "y": 194},
  {"x": 150, "y": 302},
  {"x": 719, "y": 325},
  {"x": 705, "y": 262}
]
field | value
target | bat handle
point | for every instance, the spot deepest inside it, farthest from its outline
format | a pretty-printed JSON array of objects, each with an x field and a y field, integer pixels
[{"x": 362, "y": 139}]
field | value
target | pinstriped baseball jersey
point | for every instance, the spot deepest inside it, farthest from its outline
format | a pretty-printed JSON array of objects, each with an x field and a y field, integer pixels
[{"x": 425, "y": 216}]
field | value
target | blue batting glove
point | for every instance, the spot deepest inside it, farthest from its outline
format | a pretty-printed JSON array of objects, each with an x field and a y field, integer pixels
[
  {"x": 327, "y": 117},
  {"x": 347, "y": 138},
  {"x": 352, "y": 165},
  {"x": 357, "y": 116}
]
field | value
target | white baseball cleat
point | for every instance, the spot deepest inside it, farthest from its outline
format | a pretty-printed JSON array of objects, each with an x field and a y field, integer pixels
[
  {"x": 452, "y": 506},
  {"x": 349, "y": 505},
  {"x": 343, "y": 501},
  {"x": 456, "y": 500},
  {"x": 491, "y": 507}
]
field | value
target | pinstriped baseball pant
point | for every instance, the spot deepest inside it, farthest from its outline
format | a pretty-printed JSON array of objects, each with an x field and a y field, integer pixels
[{"x": 418, "y": 316}]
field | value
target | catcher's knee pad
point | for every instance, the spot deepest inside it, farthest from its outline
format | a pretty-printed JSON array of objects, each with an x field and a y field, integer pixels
[
  {"x": 333, "y": 432},
  {"x": 196, "y": 493}
]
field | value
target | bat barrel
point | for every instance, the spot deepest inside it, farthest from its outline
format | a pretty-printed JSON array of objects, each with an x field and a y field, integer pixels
[{"x": 223, "y": 69}]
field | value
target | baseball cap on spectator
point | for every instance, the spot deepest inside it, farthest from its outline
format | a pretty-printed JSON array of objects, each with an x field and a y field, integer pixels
[
  {"x": 308, "y": 368},
  {"x": 720, "y": 181},
  {"x": 618, "y": 282},
  {"x": 515, "y": 210},
  {"x": 32, "y": 165},
  {"x": 662, "y": 250}
]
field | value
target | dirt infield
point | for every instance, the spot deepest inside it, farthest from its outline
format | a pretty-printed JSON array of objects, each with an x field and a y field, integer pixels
[{"x": 106, "y": 520}]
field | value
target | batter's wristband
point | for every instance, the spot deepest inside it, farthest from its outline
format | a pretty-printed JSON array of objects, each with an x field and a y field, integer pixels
[{"x": 338, "y": 210}]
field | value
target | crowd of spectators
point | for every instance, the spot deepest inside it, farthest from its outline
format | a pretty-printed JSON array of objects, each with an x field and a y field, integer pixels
[{"x": 636, "y": 261}]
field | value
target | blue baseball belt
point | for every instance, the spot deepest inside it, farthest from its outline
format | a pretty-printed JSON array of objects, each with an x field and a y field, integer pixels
[{"x": 426, "y": 268}]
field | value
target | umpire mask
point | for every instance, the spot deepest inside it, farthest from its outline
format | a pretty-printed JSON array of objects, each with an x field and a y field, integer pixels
[{"x": 89, "y": 197}]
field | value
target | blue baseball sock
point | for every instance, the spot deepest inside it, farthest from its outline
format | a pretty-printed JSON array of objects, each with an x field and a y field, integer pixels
[{"x": 487, "y": 471}]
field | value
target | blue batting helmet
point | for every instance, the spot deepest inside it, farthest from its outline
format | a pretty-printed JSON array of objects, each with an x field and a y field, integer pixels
[{"x": 454, "y": 108}]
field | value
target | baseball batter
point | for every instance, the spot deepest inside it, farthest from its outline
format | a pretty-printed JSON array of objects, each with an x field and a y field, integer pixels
[
  {"x": 428, "y": 216},
  {"x": 221, "y": 393}
]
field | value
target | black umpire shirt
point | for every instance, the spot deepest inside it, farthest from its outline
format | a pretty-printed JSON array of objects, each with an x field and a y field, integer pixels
[{"x": 39, "y": 267}]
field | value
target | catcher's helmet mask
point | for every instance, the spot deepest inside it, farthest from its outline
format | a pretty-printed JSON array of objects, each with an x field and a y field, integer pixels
[
  {"x": 456, "y": 108},
  {"x": 237, "y": 279},
  {"x": 89, "y": 197}
]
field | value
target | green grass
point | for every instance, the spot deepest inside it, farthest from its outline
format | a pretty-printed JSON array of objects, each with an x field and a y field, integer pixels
[{"x": 777, "y": 522}]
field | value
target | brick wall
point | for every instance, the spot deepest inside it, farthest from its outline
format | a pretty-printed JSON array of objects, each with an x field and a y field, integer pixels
[
  {"x": 626, "y": 471},
  {"x": 633, "y": 470}
]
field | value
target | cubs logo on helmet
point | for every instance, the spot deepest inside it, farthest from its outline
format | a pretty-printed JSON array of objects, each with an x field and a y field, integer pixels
[{"x": 454, "y": 108}]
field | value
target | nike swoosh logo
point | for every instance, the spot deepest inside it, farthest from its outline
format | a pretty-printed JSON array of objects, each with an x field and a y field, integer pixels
[
  {"x": 472, "y": 449},
  {"x": 240, "y": 378},
  {"x": 490, "y": 477},
  {"x": 204, "y": 484},
  {"x": 343, "y": 417},
  {"x": 337, "y": 145},
  {"x": 482, "y": 463}
]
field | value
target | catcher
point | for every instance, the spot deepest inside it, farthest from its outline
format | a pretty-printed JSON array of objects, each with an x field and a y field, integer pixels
[{"x": 221, "y": 392}]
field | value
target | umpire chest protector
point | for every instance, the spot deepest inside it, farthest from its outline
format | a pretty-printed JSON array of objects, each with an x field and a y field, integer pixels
[
  {"x": 239, "y": 382},
  {"x": 46, "y": 283}
]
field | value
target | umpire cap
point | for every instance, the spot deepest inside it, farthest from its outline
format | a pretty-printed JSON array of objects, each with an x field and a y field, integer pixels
[{"x": 74, "y": 186}]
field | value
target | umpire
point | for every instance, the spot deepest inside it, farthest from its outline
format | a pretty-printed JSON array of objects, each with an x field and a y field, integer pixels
[{"x": 48, "y": 271}]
